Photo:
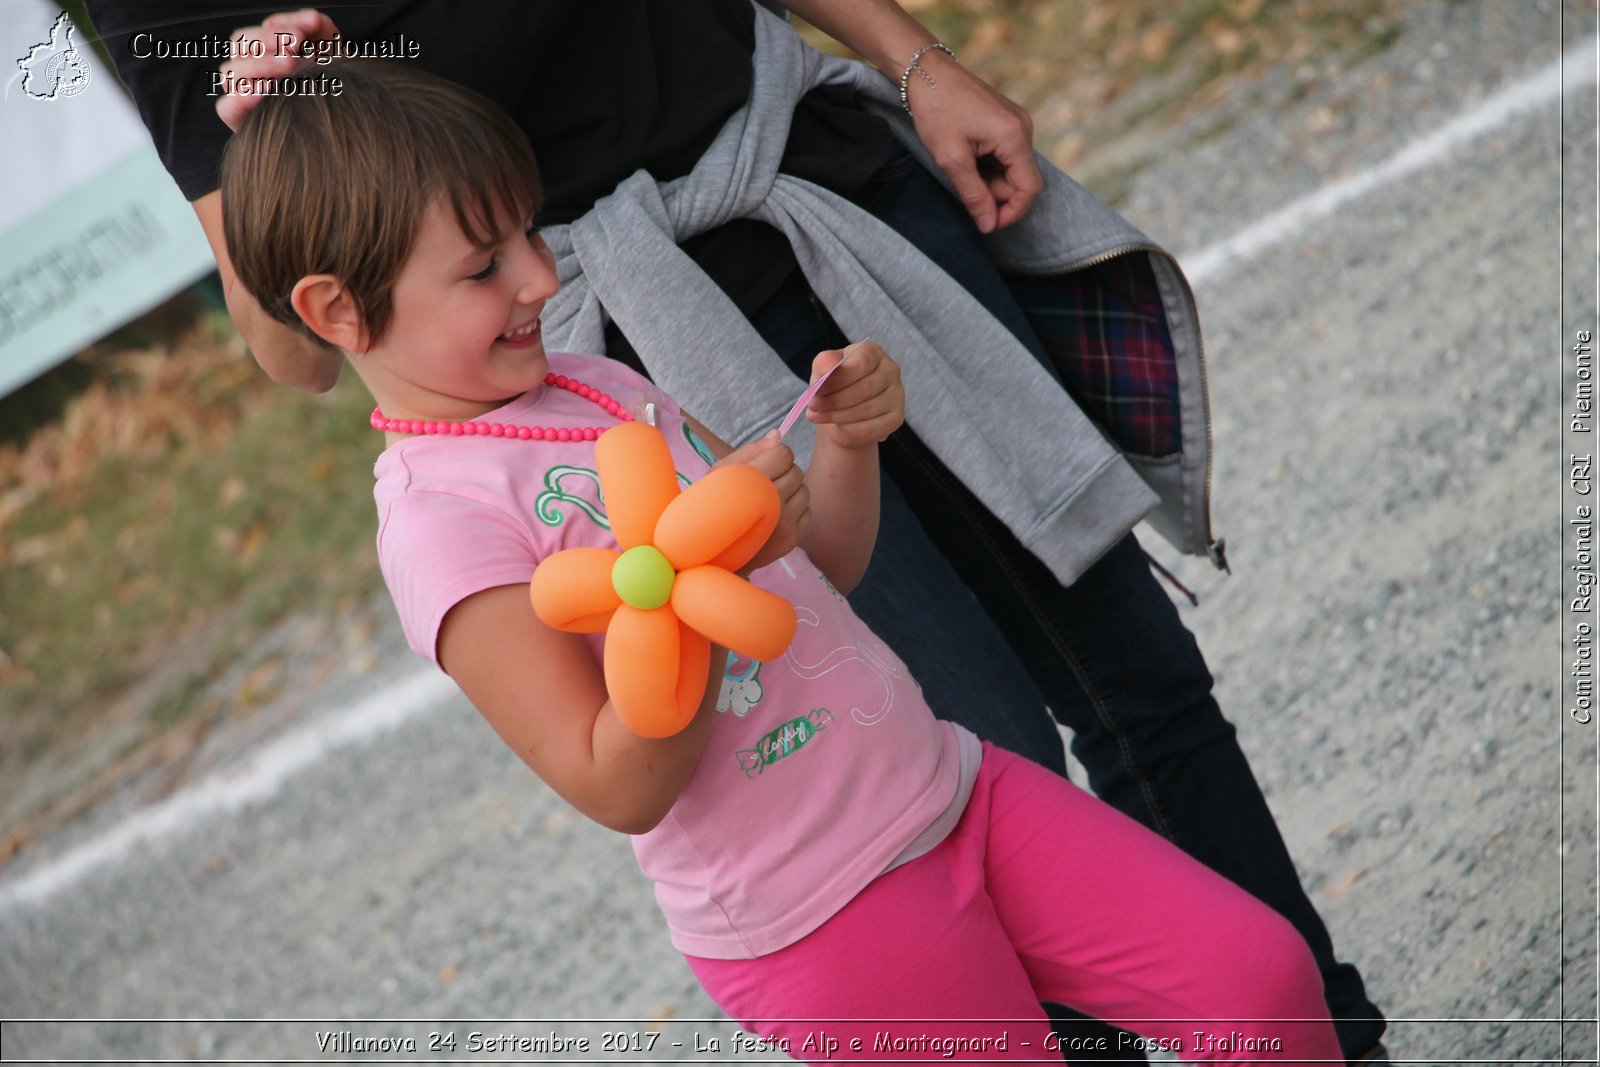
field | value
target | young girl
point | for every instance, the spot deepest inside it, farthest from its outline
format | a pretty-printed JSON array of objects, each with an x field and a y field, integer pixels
[{"x": 823, "y": 848}]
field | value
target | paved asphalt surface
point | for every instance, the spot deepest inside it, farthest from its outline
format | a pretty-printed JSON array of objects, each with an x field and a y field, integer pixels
[{"x": 1389, "y": 400}]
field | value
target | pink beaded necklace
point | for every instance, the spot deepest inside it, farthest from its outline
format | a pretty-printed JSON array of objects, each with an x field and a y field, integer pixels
[{"x": 473, "y": 428}]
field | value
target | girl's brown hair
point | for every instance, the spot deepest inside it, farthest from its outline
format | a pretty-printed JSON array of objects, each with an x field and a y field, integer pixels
[{"x": 336, "y": 180}]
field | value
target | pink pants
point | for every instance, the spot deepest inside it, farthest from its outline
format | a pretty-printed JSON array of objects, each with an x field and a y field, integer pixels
[{"x": 1040, "y": 893}]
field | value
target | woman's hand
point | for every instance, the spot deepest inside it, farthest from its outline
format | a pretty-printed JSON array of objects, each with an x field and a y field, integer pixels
[
  {"x": 776, "y": 460},
  {"x": 980, "y": 139},
  {"x": 863, "y": 402},
  {"x": 280, "y": 37}
]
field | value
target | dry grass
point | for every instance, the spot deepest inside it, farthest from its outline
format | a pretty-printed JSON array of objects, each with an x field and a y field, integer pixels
[{"x": 172, "y": 505}]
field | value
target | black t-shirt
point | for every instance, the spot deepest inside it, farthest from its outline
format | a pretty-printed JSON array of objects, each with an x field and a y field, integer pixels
[{"x": 601, "y": 87}]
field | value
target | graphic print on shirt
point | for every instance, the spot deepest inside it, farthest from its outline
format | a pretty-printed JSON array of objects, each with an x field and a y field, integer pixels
[
  {"x": 547, "y": 504},
  {"x": 876, "y": 669},
  {"x": 784, "y": 741},
  {"x": 699, "y": 446},
  {"x": 741, "y": 685}
]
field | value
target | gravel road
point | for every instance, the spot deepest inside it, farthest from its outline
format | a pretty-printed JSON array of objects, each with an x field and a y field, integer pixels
[{"x": 1388, "y": 396}]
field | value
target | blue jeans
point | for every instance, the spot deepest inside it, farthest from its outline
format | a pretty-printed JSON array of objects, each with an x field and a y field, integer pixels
[{"x": 1108, "y": 655}]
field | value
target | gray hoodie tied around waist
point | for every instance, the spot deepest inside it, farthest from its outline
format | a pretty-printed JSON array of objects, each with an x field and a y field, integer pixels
[{"x": 974, "y": 394}]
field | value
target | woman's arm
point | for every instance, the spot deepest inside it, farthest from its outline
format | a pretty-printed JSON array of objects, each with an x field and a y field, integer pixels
[
  {"x": 960, "y": 120},
  {"x": 288, "y": 356},
  {"x": 544, "y": 695}
]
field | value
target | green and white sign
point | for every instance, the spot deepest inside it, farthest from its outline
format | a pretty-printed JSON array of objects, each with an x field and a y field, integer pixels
[{"x": 93, "y": 232}]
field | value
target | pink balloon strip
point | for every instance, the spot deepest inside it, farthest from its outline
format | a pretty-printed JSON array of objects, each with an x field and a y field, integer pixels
[{"x": 805, "y": 398}]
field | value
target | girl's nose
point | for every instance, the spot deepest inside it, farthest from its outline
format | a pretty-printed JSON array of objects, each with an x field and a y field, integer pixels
[{"x": 539, "y": 281}]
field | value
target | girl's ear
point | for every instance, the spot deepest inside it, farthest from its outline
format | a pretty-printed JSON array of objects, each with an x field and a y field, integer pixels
[{"x": 327, "y": 309}]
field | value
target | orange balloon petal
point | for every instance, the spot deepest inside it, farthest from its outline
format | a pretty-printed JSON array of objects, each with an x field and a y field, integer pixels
[
  {"x": 642, "y": 668},
  {"x": 733, "y": 613},
  {"x": 657, "y": 661},
  {"x": 722, "y": 520},
  {"x": 571, "y": 590},
  {"x": 694, "y": 666},
  {"x": 637, "y": 480}
]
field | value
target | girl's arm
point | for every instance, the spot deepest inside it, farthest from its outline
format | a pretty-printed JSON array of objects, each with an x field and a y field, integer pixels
[
  {"x": 546, "y": 697},
  {"x": 543, "y": 693},
  {"x": 861, "y": 405}
]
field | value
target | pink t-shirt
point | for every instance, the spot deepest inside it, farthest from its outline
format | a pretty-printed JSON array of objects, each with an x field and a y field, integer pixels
[{"x": 822, "y": 769}]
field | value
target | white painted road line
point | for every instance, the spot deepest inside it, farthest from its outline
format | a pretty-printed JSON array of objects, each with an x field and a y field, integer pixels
[
  {"x": 1576, "y": 69},
  {"x": 255, "y": 778},
  {"x": 261, "y": 776}
]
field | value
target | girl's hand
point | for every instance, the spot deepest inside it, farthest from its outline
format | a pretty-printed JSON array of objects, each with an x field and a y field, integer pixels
[
  {"x": 863, "y": 402},
  {"x": 280, "y": 37},
  {"x": 776, "y": 461}
]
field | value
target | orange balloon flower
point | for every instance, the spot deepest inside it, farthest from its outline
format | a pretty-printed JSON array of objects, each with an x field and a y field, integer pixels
[{"x": 670, "y": 592}]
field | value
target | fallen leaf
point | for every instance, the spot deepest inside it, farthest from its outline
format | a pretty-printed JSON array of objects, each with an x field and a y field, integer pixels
[
  {"x": 15, "y": 843},
  {"x": 322, "y": 467},
  {"x": 359, "y": 634},
  {"x": 1345, "y": 884},
  {"x": 988, "y": 39},
  {"x": 253, "y": 542},
  {"x": 1067, "y": 150},
  {"x": 231, "y": 491},
  {"x": 1156, "y": 44},
  {"x": 1223, "y": 36},
  {"x": 259, "y": 683},
  {"x": 557, "y": 821}
]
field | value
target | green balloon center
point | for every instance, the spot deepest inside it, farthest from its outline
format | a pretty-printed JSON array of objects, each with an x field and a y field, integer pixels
[{"x": 643, "y": 577}]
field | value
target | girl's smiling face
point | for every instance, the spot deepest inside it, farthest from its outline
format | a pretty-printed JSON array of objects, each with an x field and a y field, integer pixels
[{"x": 465, "y": 335}]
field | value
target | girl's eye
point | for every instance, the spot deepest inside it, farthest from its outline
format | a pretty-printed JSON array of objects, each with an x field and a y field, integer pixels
[{"x": 530, "y": 231}]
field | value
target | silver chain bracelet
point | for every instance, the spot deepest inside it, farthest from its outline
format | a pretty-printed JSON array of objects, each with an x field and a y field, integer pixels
[{"x": 914, "y": 65}]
